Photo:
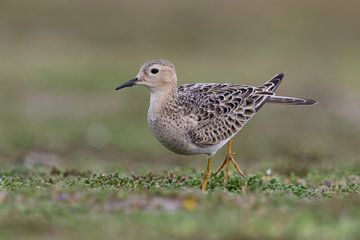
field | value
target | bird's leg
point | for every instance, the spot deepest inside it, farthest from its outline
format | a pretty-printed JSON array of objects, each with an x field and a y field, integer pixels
[
  {"x": 206, "y": 176},
  {"x": 226, "y": 176},
  {"x": 229, "y": 157}
]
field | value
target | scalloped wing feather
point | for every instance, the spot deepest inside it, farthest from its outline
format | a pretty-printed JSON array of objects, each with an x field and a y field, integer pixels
[{"x": 221, "y": 110}]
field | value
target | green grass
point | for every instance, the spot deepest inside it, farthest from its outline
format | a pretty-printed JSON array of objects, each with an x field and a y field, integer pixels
[{"x": 40, "y": 202}]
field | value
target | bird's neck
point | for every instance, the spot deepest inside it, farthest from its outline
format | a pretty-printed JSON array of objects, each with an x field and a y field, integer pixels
[{"x": 161, "y": 98}]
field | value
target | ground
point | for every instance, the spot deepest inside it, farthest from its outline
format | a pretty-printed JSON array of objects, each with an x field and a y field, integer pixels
[{"x": 40, "y": 203}]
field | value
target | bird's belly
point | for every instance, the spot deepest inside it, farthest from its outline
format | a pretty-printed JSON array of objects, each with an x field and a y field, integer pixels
[{"x": 172, "y": 135}]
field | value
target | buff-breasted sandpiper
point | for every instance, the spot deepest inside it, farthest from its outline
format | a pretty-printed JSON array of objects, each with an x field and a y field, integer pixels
[{"x": 201, "y": 118}]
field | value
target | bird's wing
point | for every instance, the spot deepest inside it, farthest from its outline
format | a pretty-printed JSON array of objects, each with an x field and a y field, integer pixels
[{"x": 220, "y": 110}]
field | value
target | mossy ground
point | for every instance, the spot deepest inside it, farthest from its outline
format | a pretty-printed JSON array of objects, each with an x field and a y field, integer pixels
[{"x": 39, "y": 203}]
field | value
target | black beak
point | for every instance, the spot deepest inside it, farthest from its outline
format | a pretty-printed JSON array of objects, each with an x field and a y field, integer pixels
[{"x": 129, "y": 83}]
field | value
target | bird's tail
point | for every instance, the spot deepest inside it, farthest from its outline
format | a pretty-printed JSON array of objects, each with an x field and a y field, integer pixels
[
  {"x": 290, "y": 100},
  {"x": 273, "y": 84}
]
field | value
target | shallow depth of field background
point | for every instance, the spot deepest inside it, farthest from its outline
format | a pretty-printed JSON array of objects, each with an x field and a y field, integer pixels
[{"x": 60, "y": 62}]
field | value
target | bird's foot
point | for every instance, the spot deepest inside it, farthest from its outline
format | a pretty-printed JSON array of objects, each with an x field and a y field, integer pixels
[{"x": 229, "y": 158}]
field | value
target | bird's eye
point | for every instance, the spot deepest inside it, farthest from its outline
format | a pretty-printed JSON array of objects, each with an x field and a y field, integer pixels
[{"x": 154, "y": 71}]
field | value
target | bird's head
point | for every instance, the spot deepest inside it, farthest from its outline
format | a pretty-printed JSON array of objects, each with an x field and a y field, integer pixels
[{"x": 156, "y": 75}]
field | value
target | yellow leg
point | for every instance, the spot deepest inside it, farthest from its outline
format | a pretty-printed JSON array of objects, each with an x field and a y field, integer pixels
[
  {"x": 229, "y": 157},
  {"x": 226, "y": 176},
  {"x": 206, "y": 176}
]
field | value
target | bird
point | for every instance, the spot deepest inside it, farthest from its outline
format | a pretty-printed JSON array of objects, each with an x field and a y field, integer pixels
[{"x": 201, "y": 118}]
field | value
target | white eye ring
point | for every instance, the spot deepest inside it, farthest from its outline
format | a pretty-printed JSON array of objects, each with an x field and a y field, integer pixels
[{"x": 154, "y": 71}]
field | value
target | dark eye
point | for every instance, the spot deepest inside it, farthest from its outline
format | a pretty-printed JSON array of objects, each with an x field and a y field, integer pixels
[{"x": 154, "y": 71}]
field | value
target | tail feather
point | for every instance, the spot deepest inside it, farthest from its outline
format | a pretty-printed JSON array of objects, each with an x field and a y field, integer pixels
[
  {"x": 271, "y": 86},
  {"x": 273, "y": 83},
  {"x": 290, "y": 100}
]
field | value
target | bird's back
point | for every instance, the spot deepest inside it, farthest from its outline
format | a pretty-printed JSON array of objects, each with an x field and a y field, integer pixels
[{"x": 220, "y": 110}]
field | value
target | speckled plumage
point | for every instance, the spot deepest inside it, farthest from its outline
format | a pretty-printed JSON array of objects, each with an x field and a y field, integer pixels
[{"x": 201, "y": 118}]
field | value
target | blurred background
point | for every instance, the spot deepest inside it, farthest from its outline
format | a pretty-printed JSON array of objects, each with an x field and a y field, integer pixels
[{"x": 61, "y": 60}]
